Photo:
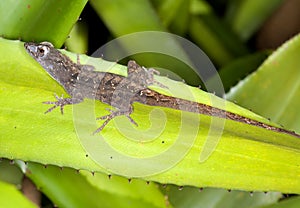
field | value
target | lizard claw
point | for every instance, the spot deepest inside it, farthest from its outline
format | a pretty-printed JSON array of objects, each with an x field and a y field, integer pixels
[
  {"x": 106, "y": 116},
  {"x": 154, "y": 71},
  {"x": 112, "y": 115},
  {"x": 131, "y": 120},
  {"x": 60, "y": 102}
]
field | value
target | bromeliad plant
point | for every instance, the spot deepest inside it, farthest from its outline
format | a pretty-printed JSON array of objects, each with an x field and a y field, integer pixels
[{"x": 246, "y": 157}]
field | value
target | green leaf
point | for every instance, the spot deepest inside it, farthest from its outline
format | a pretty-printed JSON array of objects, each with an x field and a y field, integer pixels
[
  {"x": 209, "y": 41},
  {"x": 214, "y": 37},
  {"x": 10, "y": 197},
  {"x": 218, "y": 198},
  {"x": 68, "y": 188},
  {"x": 175, "y": 15},
  {"x": 129, "y": 20},
  {"x": 169, "y": 136},
  {"x": 10, "y": 173},
  {"x": 39, "y": 20},
  {"x": 78, "y": 41},
  {"x": 281, "y": 67},
  {"x": 238, "y": 69},
  {"x": 274, "y": 89},
  {"x": 247, "y": 16},
  {"x": 293, "y": 202}
]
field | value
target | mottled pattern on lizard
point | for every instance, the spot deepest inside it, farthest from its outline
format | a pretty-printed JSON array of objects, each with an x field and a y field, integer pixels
[{"x": 81, "y": 81}]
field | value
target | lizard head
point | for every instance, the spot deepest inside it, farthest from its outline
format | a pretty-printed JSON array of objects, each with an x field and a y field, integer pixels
[
  {"x": 59, "y": 66},
  {"x": 38, "y": 51}
]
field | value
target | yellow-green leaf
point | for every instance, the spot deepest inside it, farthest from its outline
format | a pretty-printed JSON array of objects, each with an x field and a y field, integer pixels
[{"x": 245, "y": 157}]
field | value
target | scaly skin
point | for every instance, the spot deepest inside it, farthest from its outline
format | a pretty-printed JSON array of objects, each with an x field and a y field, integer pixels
[{"x": 81, "y": 81}]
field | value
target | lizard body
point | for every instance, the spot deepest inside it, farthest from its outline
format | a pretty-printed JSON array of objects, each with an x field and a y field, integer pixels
[{"x": 81, "y": 81}]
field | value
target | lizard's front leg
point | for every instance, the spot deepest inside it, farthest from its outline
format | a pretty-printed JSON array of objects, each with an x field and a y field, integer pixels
[
  {"x": 61, "y": 102},
  {"x": 114, "y": 114},
  {"x": 142, "y": 76}
]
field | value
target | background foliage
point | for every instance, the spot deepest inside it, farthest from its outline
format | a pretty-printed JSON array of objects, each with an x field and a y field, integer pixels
[{"x": 233, "y": 35}]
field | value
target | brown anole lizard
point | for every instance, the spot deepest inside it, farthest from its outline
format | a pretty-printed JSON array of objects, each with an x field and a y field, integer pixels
[{"x": 82, "y": 81}]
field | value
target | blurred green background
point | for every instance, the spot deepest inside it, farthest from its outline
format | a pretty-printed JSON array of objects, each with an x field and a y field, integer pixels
[{"x": 237, "y": 35}]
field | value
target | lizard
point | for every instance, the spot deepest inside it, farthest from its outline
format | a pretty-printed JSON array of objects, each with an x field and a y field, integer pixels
[{"x": 82, "y": 81}]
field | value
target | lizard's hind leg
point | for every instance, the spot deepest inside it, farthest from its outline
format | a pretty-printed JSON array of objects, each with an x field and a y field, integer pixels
[
  {"x": 114, "y": 114},
  {"x": 61, "y": 102}
]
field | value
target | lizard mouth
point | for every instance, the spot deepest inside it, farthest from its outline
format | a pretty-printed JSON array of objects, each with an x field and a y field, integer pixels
[{"x": 31, "y": 48}]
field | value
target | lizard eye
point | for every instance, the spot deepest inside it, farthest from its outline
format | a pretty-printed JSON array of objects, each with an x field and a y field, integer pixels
[{"x": 42, "y": 51}]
